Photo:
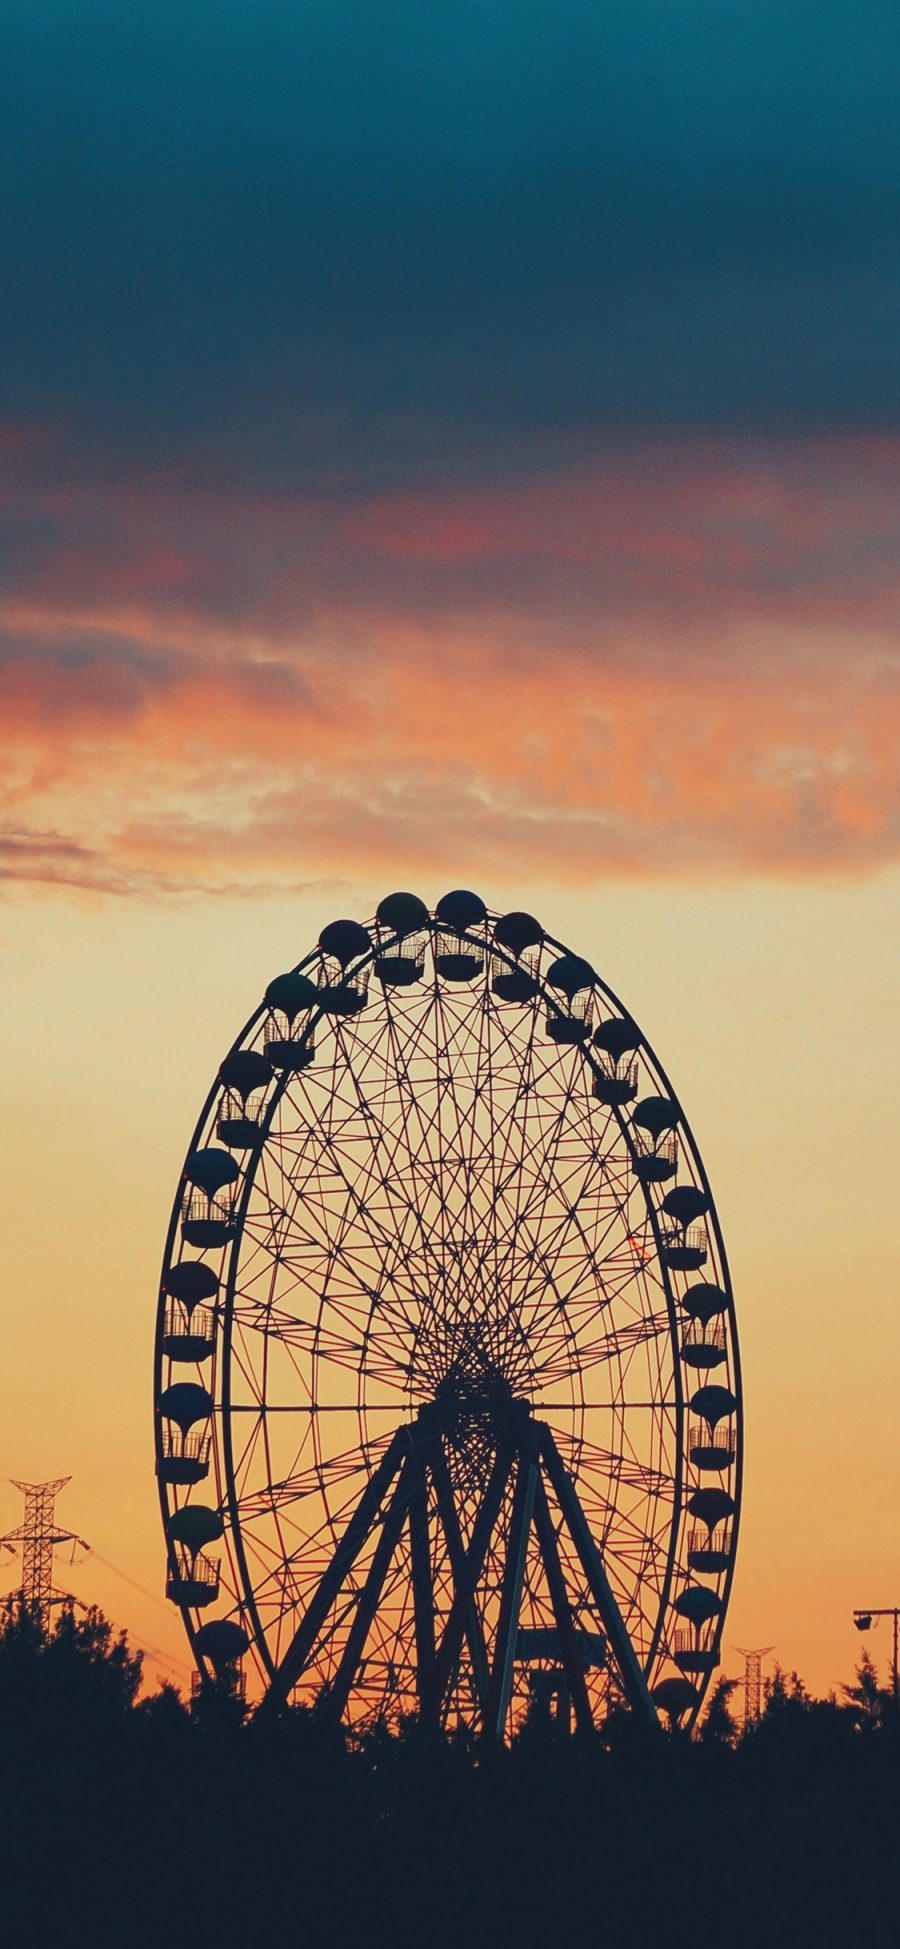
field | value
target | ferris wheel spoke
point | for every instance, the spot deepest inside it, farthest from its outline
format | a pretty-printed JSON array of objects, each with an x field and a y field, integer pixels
[
  {"x": 411, "y": 1146},
  {"x": 622, "y": 1407},
  {"x": 622, "y": 1342},
  {"x": 531, "y": 1216},
  {"x": 320, "y": 1476},
  {"x": 302, "y": 1336},
  {"x": 392, "y": 1235},
  {"x": 490, "y": 1228},
  {"x": 585, "y": 1304},
  {"x": 613, "y": 1463},
  {"x": 531, "y": 1154},
  {"x": 339, "y": 1255},
  {"x": 534, "y": 1221},
  {"x": 626, "y": 1537},
  {"x": 510, "y": 1159},
  {"x": 361, "y": 1181},
  {"x": 449, "y": 1164},
  {"x": 543, "y": 1154},
  {"x": 477, "y": 1172}
]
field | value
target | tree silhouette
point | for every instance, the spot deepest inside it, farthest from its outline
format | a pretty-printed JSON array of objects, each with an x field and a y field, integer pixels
[
  {"x": 449, "y": 1838},
  {"x": 719, "y": 1727},
  {"x": 77, "y": 1670},
  {"x": 868, "y": 1703}
]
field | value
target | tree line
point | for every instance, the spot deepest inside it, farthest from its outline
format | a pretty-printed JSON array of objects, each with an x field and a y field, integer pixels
[{"x": 130, "y": 1817}]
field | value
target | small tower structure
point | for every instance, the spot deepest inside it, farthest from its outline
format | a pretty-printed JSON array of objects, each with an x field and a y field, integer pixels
[
  {"x": 39, "y": 1537},
  {"x": 753, "y": 1662}
]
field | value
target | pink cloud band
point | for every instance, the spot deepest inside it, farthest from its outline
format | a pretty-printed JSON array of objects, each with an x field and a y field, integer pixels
[{"x": 676, "y": 659}]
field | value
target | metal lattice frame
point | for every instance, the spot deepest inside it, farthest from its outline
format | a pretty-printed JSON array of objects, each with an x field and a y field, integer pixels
[
  {"x": 446, "y": 1362},
  {"x": 39, "y": 1537}
]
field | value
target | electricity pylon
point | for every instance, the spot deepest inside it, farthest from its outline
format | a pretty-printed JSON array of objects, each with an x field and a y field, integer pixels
[
  {"x": 39, "y": 1538},
  {"x": 753, "y": 1681}
]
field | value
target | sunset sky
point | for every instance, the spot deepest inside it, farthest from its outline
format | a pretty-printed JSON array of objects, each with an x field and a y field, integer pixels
[{"x": 456, "y": 446}]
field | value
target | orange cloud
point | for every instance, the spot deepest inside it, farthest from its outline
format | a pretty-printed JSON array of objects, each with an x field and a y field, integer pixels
[{"x": 682, "y": 663}]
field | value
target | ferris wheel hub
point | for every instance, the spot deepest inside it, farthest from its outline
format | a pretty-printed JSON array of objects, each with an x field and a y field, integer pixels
[{"x": 475, "y": 1411}]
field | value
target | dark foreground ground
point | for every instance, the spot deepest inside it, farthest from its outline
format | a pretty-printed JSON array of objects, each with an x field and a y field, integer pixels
[{"x": 128, "y": 1824}]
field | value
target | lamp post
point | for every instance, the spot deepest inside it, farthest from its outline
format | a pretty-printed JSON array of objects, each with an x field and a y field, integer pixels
[{"x": 863, "y": 1621}]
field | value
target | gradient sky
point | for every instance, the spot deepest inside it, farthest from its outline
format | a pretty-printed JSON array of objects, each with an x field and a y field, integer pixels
[{"x": 456, "y": 446}]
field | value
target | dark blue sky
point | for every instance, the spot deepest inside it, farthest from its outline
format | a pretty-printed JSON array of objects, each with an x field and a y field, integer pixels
[{"x": 384, "y": 242}]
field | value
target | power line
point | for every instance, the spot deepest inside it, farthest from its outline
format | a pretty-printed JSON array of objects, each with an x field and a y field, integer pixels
[
  {"x": 153, "y": 1651},
  {"x": 152, "y": 1596}
]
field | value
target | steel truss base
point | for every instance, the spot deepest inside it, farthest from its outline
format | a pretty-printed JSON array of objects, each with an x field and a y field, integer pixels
[{"x": 528, "y": 1462}]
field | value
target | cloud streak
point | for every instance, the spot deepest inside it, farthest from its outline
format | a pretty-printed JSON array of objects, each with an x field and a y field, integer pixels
[{"x": 680, "y": 660}]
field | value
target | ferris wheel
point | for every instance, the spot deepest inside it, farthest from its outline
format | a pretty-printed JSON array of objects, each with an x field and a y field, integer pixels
[{"x": 446, "y": 1360}]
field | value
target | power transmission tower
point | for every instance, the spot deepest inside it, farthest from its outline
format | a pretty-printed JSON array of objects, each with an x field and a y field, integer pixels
[
  {"x": 39, "y": 1538},
  {"x": 753, "y": 1681}
]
